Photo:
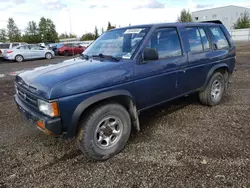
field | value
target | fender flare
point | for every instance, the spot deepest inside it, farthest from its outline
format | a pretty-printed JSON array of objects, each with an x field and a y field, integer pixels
[
  {"x": 211, "y": 72},
  {"x": 72, "y": 130}
]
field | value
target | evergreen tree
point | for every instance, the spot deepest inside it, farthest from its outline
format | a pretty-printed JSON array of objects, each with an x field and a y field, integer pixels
[
  {"x": 14, "y": 34},
  {"x": 47, "y": 30},
  {"x": 243, "y": 22},
  {"x": 185, "y": 16},
  {"x": 3, "y": 35}
]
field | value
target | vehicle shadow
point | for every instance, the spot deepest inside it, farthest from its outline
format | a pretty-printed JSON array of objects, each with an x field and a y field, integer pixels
[{"x": 149, "y": 118}]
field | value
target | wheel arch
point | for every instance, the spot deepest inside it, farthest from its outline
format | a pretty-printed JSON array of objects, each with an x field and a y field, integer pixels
[
  {"x": 122, "y": 97},
  {"x": 48, "y": 53},
  {"x": 19, "y": 55},
  {"x": 223, "y": 68}
]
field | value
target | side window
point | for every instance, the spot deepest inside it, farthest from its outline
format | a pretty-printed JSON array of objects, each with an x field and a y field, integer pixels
[
  {"x": 219, "y": 37},
  {"x": 35, "y": 47},
  {"x": 166, "y": 42},
  {"x": 23, "y": 48},
  {"x": 204, "y": 39},
  {"x": 15, "y": 44},
  {"x": 194, "y": 39}
]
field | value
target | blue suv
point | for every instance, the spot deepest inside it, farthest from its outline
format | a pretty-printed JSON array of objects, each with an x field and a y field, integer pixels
[{"x": 97, "y": 97}]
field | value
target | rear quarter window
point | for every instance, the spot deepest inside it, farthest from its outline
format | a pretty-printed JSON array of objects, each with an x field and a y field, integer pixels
[{"x": 219, "y": 38}]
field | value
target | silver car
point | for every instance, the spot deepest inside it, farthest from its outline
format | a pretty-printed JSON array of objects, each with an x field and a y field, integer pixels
[{"x": 25, "y": 52}]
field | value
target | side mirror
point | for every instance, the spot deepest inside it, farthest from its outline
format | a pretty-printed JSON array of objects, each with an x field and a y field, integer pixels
[{"x": 150, "y": 54}]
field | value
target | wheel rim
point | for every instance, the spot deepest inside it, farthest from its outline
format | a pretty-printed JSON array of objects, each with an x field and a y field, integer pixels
[
  {"x": 216, "y": 90},
  {"x": 108, "y": 132},
  {"x": 19, "y": 58},
  {"x": 48, "y": 56}
]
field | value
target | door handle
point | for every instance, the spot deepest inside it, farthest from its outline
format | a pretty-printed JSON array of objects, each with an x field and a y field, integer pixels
[
  {"x": 128, "y": 76},
  {"x": 183, "y": 68}
]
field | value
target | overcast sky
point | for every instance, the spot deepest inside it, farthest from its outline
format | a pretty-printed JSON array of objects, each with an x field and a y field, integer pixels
[{"x": 85, "y": 14}]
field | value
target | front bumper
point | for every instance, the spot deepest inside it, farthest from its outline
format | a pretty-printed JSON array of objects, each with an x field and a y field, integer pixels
[{"x": 52, "y": 126}]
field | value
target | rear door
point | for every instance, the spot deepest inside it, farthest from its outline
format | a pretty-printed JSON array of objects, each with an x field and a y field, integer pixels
[
  {"x": 194, "y": 72},
  {"x": 24, "y": 51},
  {"x": 224, "y": 51}
]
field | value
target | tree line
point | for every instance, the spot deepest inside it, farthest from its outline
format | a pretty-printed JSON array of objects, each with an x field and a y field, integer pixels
[
  {"x": 44, "y": 31},
  {"x": 242, "y": 23}
]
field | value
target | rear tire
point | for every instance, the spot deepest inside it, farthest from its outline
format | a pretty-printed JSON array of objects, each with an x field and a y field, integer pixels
[
  {"x": 104, "y": 131},
  {"x": 19, "y": 58},
  {"x": 214, "y": 90}
]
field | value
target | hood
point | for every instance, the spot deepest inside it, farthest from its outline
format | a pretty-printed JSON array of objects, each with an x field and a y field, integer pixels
[{"x": 54, "y": 81}]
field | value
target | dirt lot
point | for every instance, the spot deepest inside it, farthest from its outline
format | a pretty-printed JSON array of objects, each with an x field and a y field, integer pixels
[{"x": 182, "y": 144}]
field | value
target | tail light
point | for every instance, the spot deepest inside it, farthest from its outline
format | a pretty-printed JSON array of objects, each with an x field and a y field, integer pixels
[
  {"x": 0, "y": 52},
  {"x": 9, "y": 51}
]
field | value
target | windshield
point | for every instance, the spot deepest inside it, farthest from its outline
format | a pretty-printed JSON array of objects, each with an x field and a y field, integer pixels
[{"x": 120, "y": 43}]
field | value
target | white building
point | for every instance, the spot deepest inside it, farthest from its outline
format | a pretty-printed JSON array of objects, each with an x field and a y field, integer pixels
[{"x": 228, "y": 15}]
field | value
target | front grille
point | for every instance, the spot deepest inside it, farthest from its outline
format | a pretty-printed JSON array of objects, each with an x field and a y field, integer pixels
[{"x": 26, "y": 96}]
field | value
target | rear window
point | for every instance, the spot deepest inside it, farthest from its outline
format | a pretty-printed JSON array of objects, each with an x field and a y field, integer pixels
[
  {"x": 4, "y": 46},
  {"x": 219, "y": 37},
  {"x": 68, "y": 45}
]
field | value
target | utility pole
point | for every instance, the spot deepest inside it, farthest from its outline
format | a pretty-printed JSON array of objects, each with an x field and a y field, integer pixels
[{"x": 70, "y": 25}]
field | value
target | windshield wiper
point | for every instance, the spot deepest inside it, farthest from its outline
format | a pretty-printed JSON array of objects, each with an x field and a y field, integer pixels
[
  {"x": 110, "y": 57},
  {"x": 84, "y": 56}
]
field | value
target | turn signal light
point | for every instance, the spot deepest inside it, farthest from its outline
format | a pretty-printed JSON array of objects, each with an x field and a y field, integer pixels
[
  {"x": 55, "y": 109},
  {"x": 40, "y": 124}
]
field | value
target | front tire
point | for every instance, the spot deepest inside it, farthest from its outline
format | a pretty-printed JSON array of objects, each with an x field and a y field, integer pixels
[
  {"x": 48, "y": 55},
  {"x": 214, "y": 90},
  {"x": 66, "y": 53},
  {"x": 104, "y": 131}
]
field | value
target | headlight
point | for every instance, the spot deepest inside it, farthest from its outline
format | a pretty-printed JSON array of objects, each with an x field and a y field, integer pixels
[{"x": 50, "y": 109}]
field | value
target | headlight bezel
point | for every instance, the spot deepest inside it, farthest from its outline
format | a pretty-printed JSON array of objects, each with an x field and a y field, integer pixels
[{"x": 48, "y": 108}]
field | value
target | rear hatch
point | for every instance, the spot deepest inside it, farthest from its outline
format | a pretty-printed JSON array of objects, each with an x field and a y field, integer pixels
[{"x": 3, "y": 48}]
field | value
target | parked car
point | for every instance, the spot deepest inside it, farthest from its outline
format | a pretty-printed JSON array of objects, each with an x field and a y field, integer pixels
[
  {"x": 71, "y": 49},
  {"x": 25, "y": 52},
  {"x": 85, "y": 43},
  {"x": 55, "y": 47},
  {"x": 97, "y": 97},
  {"x": 6, "y": 46}
]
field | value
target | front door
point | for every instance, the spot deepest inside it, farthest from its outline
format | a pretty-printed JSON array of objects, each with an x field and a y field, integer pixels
[
  {"x": 156, "y": 81},
  {"x": 37, "y": 51}
]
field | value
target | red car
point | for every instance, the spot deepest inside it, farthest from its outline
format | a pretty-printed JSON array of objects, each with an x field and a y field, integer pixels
[{"x": 71, "y": 49}]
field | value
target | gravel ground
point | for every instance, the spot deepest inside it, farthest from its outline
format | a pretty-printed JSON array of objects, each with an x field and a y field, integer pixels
[{"x": 182, "y": 144}]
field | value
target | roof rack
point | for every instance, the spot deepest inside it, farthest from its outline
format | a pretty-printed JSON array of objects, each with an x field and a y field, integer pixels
[{"x": 213, "y": 21}]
